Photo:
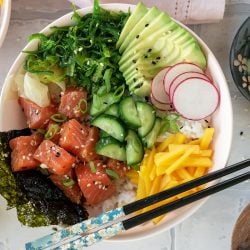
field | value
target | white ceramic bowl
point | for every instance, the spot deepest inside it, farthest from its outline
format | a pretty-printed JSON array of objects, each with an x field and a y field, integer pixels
[
  {"x": 11, "y": 117},
  {"x": 4, "y": 19}
]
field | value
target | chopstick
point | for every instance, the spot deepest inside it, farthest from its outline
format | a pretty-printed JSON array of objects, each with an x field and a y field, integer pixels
[{"x": 105, "y": 225}]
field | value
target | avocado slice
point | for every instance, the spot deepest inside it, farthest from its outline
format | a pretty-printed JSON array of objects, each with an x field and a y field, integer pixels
[
  {"x": 139, "y": 12},
  {"x": 136, "y": 30}
]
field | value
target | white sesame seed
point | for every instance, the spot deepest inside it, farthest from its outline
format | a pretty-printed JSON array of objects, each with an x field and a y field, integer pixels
[{"x": 89, "y": 185}]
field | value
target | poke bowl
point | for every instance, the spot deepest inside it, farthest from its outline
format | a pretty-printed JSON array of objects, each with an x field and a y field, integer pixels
[{"x": 219, "y": 117}]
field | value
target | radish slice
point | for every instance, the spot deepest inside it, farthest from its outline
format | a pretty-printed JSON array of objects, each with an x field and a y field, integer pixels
[
  {"x": 157, "y": 87},
  {"x": 161, "y": 106},
  {"x": 178, "y": 69},
  {"x": 183, "y": 77},
  {"x": 195, "y": 98}
]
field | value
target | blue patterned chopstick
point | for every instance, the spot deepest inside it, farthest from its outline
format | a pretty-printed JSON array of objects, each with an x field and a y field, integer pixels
[{"x": 78, "y": 229}]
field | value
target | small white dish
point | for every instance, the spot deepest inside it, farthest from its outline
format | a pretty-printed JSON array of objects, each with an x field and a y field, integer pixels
[{"x": 5, "y": 10}]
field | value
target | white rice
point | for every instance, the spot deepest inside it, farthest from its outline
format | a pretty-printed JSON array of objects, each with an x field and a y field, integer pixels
[{"x": 193, "y": 129}]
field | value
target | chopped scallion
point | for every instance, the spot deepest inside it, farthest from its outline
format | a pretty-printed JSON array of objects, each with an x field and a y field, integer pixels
[
  {"x": 68, "y": 182},
  {"x": 82, "y": 103},
  {"x": 112, "y": 174},
  {"x": 92, "y": 167},
  {"x": 59, "y": 118},
  {"x": 53, "y": 129}
]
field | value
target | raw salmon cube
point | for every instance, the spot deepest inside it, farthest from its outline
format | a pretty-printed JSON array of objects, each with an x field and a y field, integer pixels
[
  {"x": 57, "y": 160},
  {"x": 96, "y": 186},
  {"x": 37, "y": 117},
  {"x": 23, "y": 149}
]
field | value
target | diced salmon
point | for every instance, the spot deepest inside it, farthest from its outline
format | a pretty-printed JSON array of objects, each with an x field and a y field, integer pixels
[
  {"x": 73, "y": 103},
  {"x": 119, "y": 167},
  {"x": 68, "y": 184},
  {"x": 88, "y": 151},
  {"x": 37, "y": 117},
  {"x": 23, "y": 149},
  {"x": 58, "y": 160},
  {"x": 96, "y": 187},
  {"x": 73, "y": 136}
]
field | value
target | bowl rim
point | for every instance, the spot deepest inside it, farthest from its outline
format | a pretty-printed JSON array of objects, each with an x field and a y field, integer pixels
[
  {"x": 5, "y": 13},
  {"x": 192, "y": 208},
  {"x": 232, "y": 58}
]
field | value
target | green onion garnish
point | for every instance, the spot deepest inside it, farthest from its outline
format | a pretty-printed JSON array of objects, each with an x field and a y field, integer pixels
[
  {"x": 68, "y": 182},
  {"x": 119, "y": 92},
  {"x": 92, "y": 167},
  {"x": 112, "y": 174},
  {"x": 80, "y": 104},
  {"x": 58, "y": 118},
  {"x": 41, "y": 131},
  {"x": 53, "y": 129}
]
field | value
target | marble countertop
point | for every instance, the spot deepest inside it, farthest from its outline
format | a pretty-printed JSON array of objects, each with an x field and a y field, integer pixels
[{"x": 212, "y": 225}]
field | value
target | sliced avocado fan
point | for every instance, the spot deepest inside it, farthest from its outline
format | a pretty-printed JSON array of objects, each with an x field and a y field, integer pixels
[{"x": 150, "y": 41}]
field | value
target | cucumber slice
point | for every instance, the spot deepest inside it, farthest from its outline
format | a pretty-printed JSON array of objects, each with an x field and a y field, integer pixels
[
  {"x": 111, "y": 148},
  {"x": 134, "y": 148},
  {"x": 101, "y": 103},
  {"x": 147, "y": 117},
  {"x": 103, "y": 134},
  {"x": 110, "y": 125},
  {"x": 150, "y": 138},
  {"x": 128, "y": 112},
  {"x": 113, "y": 110}
]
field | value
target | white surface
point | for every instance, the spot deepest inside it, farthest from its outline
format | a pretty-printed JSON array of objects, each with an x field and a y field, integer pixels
[
  {"x": 5, "y": 10},
  {"x": 186, "y": 11},
  {"x": 211, "y": 226}
]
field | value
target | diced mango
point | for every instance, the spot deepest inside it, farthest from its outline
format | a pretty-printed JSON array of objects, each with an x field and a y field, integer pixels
[
  {"x": 178, "y": 163},
  {"x": 179, "y": 138},
  {"x": 207, "y": 138},
  {"x": 184, "y": 174},
  {"x": 191, "y": 170},
  {"x": 164, "y": 145},
  {"x": 162, "y": 162},
  {"x": 199, "y": 172},
  {"x": 174, "y": 147},
  {"x": 198, "y": 161},
  {"x": 195, "y": 142}
]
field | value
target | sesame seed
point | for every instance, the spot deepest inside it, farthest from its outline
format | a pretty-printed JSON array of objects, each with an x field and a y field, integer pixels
[{"x": 89, "y": 185}]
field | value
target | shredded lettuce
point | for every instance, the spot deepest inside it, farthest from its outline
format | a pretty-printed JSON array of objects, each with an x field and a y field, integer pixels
[{"x": 83, "y": 54}]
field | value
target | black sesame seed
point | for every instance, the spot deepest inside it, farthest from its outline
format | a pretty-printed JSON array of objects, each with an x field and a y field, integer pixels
[
  {"x": 158, "y": 58},
  {"x": 206, "y": 121},
  {"x": 153, "y": 62},
  {"x": 149, "y": 50},
  {"x": 58, "y": 154},
  {"x": 105, "y": 103},
  {"x": 146, "y": 25},
  {"x": 137, "y": 36},
  {"x": 136, "y": 69},
  {"x": 134, "y": 61},
  {"x": 54, "y": 228},
  {"x": 134, "y": 79},
  {"x": 145, "y": 56},
  {"x": 241, "y": 132}
]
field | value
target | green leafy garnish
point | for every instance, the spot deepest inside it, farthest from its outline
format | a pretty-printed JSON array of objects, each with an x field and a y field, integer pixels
[
  {"x": 92, "y": 167},
  {"x": 112, "y": 174},
  {"x": 169, "y": 123},
  {"x": 84, "y": 54}
]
